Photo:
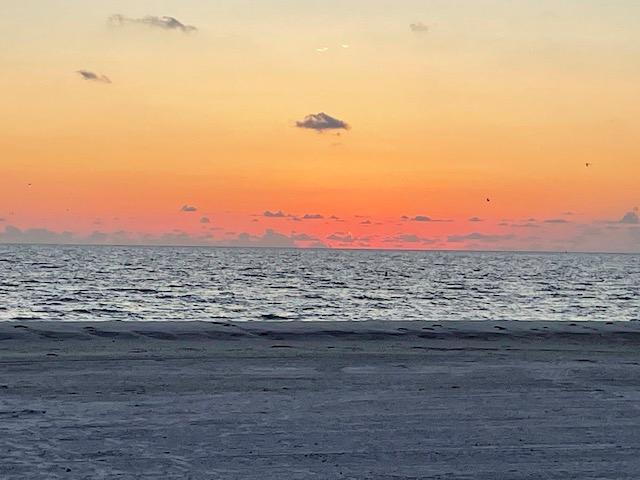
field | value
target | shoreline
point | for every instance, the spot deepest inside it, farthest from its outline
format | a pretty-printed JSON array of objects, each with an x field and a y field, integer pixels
[{"x": 312, "y": 401}]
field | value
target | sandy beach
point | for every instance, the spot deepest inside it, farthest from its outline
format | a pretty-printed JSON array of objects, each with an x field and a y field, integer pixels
[{"x": 287, "y": 400}]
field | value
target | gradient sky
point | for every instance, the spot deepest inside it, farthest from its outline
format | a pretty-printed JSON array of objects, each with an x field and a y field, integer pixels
[{"x": 507, "y": 100}]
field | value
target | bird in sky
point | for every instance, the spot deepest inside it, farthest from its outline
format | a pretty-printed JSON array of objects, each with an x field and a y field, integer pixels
[{"x": 587, "y": 164}]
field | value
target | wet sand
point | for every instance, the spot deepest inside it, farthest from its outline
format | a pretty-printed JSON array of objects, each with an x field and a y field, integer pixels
[{"x": 270, "y": 400}]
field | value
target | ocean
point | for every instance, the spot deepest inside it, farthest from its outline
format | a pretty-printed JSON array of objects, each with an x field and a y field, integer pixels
[{"x": 86, "y": 283}]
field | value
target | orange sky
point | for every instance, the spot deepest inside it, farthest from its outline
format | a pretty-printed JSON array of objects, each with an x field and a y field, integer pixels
[{"x": 495, "y": 99}]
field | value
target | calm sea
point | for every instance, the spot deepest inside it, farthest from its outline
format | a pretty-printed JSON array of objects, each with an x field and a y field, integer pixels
[{"x": 160, "y": 283}]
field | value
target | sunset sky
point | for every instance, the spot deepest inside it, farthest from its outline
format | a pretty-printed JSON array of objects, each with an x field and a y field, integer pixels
[{"x": 478, "y": 124}]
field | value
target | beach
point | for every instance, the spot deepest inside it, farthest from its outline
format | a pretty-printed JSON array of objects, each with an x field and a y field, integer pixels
[{"x": 319, "y": 400}]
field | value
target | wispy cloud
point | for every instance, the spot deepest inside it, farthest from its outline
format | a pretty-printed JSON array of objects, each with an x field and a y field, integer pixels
[
  {"x": 312, "y": 216},
  {"x": 342, "y": 237},
  {"x": 478, "y": 237},
  {"x": 419, "y": 27},
  {"x": 278, "y": 214},
  {"x": 410, "y": 238},
  {"x": 93, "y": 77},
  {"x": 164, "y": 22},
  {"x": 321, "y": 122}
]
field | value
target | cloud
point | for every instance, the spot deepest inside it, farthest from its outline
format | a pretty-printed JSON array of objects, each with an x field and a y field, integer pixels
[
  {"x": 93, "y": 77},
  {"x": 524, "y": 225},
  {"x": 312, "y": 216},
  {"x": 164, "y": 22},
  {"x": 303, "y": 237},
  {"x": 476, "y": 219},
  {"x": 410, "y": 238},
  {"x": 342, "y": 237},
  {"x": 631, "y": 218},
  {"x": 419, "y": 27},
  {"x": 421, "y": 218},
  {"x": 321, "y": 122},
  {"x": 478, "y": 237},
  {"x": 278, "y": 214},
  {"x": 270, "y": 238},
  {"x": 188, "y": 208},
  {"x": 13, "y": 234},
  {"x": 205, "y": 220},
  {"x": 557, "y": 221},
  {"x": 366, "y": 222}
]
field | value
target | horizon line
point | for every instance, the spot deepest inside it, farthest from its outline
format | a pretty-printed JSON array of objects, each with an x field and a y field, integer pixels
[{"x": 366, "y": 249}]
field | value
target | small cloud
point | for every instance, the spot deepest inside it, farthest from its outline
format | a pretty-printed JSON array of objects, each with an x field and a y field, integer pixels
[
  {"x": 409, "y": 238},
  {"x": 419, "y": 27},
  {"x": 321, "y": 122},
  {"x": 205, "y": 220},
  {"x": 344, "y": 45},
  {"x": 312, "y": 216},
  {"x": 164, "y": 22},
  {"x": 188, "y": 208},
  {"x": 421, "y": 218},
  {"x": 270, "y": 214},
  {"x": 303, "y": 237},
  {"x": 557, "y": 221},
  {"x": 322, "y": 49},
  {"x": 631, "y": 218},
  {"x": 366, "y": 222},
  {"x": 342, "y": 237},
  {"x": 270, "y": 238},
  {"x": 478, "y": 237},
  {"x": 93, "y": 77},
  {"x": 475, "y": 219}
]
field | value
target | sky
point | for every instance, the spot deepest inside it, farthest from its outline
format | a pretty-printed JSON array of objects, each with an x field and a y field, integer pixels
[{"x": 411, "y": 124}]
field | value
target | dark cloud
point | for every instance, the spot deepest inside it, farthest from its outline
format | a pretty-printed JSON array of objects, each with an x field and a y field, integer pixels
[
  {"x": 164, "y": 22},
  {"x": 631, "y": 218},
  {"x": 278, "y": 214},
  {"x": 421, "y": 218},
  {"x": 93, "y": 77},
  {"x": 188, "y": 208},
  {"x": 205, "y": 220},
  {"x": 321, "y": 122},
  {"x": 419, "y": 27},
  {"x": 478, "y": 237},
  {"x": 475, "y": 219},
  {"x": 312, "y": 216}
]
